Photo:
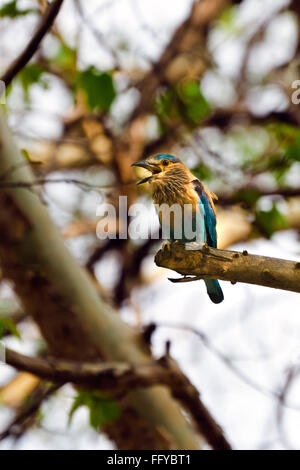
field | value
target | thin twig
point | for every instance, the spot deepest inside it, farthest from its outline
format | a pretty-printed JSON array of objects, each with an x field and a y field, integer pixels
[
  {"x": 42, "y": 181},
  {"x": 28, "y": 411}
]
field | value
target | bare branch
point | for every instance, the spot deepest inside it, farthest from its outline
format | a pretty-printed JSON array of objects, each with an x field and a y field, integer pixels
[
  {"x": 42, "y": 181},
  {"x": 233, "y": 266},
  {"x": 26, "y": 416},
  {"x": 100, "y": 37},
  {"x": 184, "y": 39},
  {"x": 120, "y": 378},
  {"x": 44, "y": 26},
  {"x": 230, "y": 199}
]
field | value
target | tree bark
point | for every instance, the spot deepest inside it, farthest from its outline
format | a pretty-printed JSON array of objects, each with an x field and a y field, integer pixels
[
  {"x": 119, "y": 378},
  {"x": 233, "y": 266}
]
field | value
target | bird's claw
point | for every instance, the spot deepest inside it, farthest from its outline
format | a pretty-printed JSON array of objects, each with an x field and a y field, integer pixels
[
  {"x": 165, "y": 245},
  {"x": 185, "y": 279}
]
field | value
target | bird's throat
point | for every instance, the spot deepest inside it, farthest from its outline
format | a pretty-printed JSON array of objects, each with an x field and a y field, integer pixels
[{"x": 170, "y": 188}]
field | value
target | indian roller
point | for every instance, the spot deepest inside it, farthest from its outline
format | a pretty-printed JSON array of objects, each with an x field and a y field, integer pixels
[{"x": 173, "y": 185}]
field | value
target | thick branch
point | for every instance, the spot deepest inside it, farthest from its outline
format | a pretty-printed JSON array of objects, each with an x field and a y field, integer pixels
[
  {"x": 210, "y": 263},
  {"x": 119, "y": 378},
  {"x": 31, "y": 48},
  {"x": 114, "y": 377}
]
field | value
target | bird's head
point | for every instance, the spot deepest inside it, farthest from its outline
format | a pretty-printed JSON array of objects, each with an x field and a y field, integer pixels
[{"x": 160, "y": 166}]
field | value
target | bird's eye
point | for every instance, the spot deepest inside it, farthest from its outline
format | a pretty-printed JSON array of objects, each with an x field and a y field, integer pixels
[{"x": 165, "y": 163}]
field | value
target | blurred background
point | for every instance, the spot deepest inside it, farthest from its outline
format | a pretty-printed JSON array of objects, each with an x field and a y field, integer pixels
[{"x": 116, "y": 81}]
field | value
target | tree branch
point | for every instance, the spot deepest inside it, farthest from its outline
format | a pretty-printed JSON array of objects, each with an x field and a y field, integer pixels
[
  {"x": 27, "y": 413},
  {"x": 183, "y": 39},
  {"x": 44, "y": 26},
  {"x": 74, "y": 314},
  {"x": 120, "y": 378},
  {"x": 210, "y": 263},
  {"x": 231, "y": 199}
]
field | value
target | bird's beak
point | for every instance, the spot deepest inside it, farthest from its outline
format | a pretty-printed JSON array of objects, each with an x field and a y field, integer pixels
[{"x": 149, "y": 167}]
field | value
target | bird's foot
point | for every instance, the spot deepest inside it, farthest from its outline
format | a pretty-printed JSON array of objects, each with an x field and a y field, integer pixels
[
  {"x": 205, "y": 247},
  {"x": 166, "y": 245},
  {"x": 185, "y": 279}
]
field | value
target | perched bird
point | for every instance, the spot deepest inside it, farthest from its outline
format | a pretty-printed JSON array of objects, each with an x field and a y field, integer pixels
[{"x": 173, "y": 184}]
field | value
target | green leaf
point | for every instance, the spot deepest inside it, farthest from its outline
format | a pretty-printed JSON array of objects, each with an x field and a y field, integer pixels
[
  {"x": 293, "y": 151},
  {"x": 25, "y": 154},
  {"x": 166, "y": 105},
  {"x": 202, "y": 172},
  {"x": 27, "y": 157},
  {"x": 65, "y": 57},
  {"x": 227, "y": 19},
  {"x": 11, "y": 10},
  {"x": 30, "y": 75},
  {"x": 249, "y": 196},
  {"x": 282, "y": 130},
  {"x": 98, "y": 87},
  {"x": 196, "y": 107},
  {"x": 102, "y": 408},
  {"x": 288, "y": 138},
  {"x": 280, "y": 171},
  {"x": 7, "y": 324},
  {"x": 270, "y": 221},
  {"x": 103, "y": 412},
  {"x": 183, "y": 103}
]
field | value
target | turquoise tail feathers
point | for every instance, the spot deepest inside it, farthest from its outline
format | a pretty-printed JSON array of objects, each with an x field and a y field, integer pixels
[{"x": 214, "y": 290}]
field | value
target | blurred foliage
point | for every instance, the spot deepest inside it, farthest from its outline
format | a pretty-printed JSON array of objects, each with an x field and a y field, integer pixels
[
  {"x": 31, "y": 75},
  {"x": 247, "y": 196},
  {"x": 250, "y": 143},
  {"x": 182, "y": 103},
  {"x": 227, "y": 20},
  {"x": 194, "y": 106},
  {"x": 273, "y": 149},
  {"x": 288, "y": 138},
  {"x": 102, "y": 409},
  {"x": 65, "y": 57},
  {"x": 293, "y": 151},
  {"x": 6, "y": 324},
  {"x": 270, "y": 221},
  {"x": 202, "y": 172},
  {"x": 11, "y": 10},
  {"x": 98, "y": 87}
]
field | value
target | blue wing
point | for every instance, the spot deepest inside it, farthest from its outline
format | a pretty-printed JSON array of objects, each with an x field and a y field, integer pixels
[
  {"x": 209, "y": 216},
  {"x": 212, "y": 285}
]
